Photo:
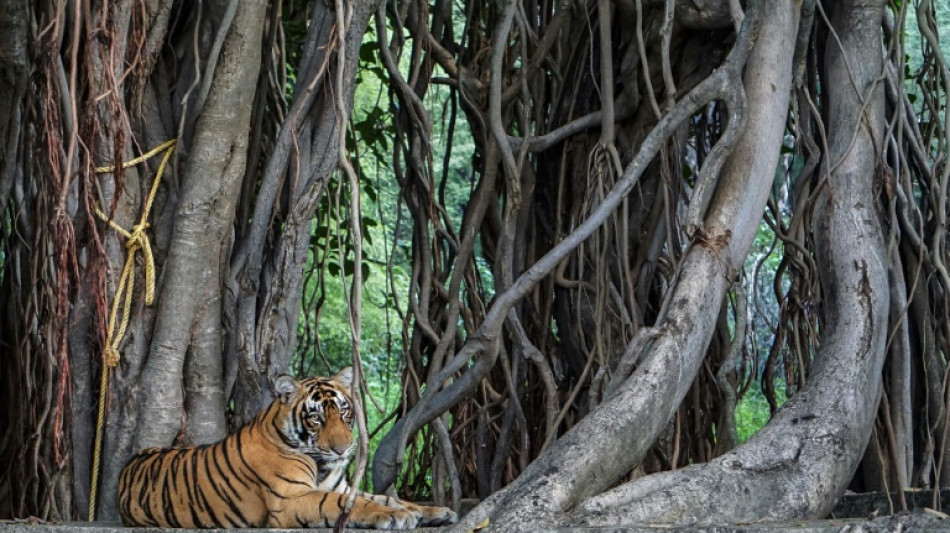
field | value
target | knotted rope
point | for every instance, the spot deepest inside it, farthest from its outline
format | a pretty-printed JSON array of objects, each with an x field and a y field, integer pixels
[{"x": 135, "y": 240}]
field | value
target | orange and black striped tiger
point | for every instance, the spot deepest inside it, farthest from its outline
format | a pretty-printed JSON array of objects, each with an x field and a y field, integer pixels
[{"x": 287, "y": 468}]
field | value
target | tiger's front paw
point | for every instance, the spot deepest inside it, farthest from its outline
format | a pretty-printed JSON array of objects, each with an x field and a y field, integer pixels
[
  {"x": 437, "y": 516},
  {"x": 397, "y": 519}
]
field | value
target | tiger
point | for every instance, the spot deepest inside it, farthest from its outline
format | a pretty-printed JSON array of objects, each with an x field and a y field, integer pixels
[{"x": 284, "y": 469}]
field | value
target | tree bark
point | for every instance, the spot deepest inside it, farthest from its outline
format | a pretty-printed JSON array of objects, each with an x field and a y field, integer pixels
[
  {"x": 799, "y": 464},
  {"x": 264, "y": 291},
  {"x": 14, "y": 65},
  {"x": 480, "y": 345},
  {"x": 203, "y": 217},
  {"x": 616, "y": 436}
]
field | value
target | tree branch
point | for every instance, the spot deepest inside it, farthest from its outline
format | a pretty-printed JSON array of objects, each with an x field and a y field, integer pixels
[
  {"x": 802, "y": 460},
  {"x": 480, "y": 346}
]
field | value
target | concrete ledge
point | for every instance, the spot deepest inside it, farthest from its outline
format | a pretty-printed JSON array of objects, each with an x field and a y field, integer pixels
[
  {"x": 916, "y": 521},
  {"x": 870, "y": 513}
]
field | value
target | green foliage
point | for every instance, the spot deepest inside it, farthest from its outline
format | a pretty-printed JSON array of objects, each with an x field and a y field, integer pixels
[
  {"x": 913, "y": 42},
  {"x": 324, "y": 344},
  {"x": 324, "y": 329},
  {"x": 752, "y": 412}
]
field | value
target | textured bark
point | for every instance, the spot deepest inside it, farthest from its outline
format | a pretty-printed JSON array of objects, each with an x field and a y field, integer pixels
[
  {"x": 125, "y": 192},
  {"x": 203, "y": 216},
  {"x": 264, "y": 291},
  {"x": 799, "y": 464},
  {"x": 481, "y": 346},
  {"x": 210, "y": 183},
  {"x": 701, "y": 14},
  {"x": 34, "y": 432},
  {"x": 204, "y": 373},
  {"x": 14, "y": 67},
  {"x": 613, "y": 438},
  {"x": 121, "y": 78}
]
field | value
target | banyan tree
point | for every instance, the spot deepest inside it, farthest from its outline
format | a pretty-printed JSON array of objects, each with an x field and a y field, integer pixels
[{"x": 602, "y": 224}]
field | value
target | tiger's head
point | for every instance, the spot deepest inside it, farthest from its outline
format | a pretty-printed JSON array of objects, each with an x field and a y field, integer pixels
[{"x": 316, "y": 417}]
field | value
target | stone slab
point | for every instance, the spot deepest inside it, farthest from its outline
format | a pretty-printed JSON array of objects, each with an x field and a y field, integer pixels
[{"x": 915, "y": 521}]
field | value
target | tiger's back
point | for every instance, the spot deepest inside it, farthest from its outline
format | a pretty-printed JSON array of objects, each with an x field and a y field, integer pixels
[
  {"x": 287, "y": 468},
  {"x": 201, "y": 486}
]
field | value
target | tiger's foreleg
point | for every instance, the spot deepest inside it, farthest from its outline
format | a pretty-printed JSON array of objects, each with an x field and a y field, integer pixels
[
  {"x": 322, "y": 509},
  {"x": 428, "y": 515}
]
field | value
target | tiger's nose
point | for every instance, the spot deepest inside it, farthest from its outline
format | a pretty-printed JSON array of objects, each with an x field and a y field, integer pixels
[{"x": 340, "y": 450}]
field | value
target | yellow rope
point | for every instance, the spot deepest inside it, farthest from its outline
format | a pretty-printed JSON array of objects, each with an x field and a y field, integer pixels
[{"x": 135, "y": 240}]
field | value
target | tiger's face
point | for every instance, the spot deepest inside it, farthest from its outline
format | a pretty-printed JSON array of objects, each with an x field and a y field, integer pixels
[{"x": 317, "y": 417}]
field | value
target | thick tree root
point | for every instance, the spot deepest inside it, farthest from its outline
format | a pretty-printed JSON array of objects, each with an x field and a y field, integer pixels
[{"x": 803, "y": 460}]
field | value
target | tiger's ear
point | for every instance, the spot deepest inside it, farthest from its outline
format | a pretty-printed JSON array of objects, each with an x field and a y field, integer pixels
[
  {"x": 345, "y": 376},
  {"x": 286, "y": 388}
]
